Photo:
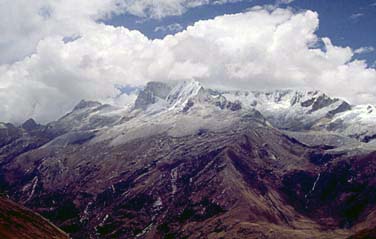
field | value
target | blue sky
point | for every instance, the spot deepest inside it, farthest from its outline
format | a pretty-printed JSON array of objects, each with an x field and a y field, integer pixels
[{"x": 346, "y": 22}]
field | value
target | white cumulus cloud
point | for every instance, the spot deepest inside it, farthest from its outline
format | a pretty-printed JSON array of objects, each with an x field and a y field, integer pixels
[
  {"x": 257, "y": 50},
  {"x": 163, "y": 8},
  {"x": 363, "y": 50},
  {"x": 175, "y": 27},
  {"x": 24, "y": 23}
]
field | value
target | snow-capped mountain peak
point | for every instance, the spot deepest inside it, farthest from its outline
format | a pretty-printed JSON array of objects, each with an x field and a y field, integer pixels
[
  {"x": 293, "y": 110},
  {"x": 183, "y": 92},
  {"x": 159, "y": 96},
  {"x": 286, "y": 109}
]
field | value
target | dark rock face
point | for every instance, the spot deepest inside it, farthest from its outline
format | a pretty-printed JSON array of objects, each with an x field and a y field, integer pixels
[
  {"x": 234, "y": 106},
  {"x": 30, "y": 125},
  {"x": 342, "y": 108},
  {"x": 321, "y": 102},
  {"x": 308, "y": 103},
  {"x": 320, "y": 157},
  {"x": 189, "y": 105},
  {"x": 149, "y": 95},
  {"x": 368, "y": 138}
]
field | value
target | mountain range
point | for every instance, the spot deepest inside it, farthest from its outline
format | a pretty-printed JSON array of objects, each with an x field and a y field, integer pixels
[{"x": 186, "y": 161}]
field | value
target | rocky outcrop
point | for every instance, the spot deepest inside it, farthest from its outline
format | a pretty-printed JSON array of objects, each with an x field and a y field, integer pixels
[
  {"x": 151, "y": 93},
  {"x": 30, "y": 125},
  {"x": 84, "y": 104}
]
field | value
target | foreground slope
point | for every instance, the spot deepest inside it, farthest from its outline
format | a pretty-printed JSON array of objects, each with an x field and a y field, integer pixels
[
  {"x": 187, "y": 162},
  {"x": 17, "y": 222}
]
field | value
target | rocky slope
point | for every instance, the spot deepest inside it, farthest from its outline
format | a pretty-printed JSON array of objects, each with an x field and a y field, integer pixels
[
  {"x": 18, "y": 222},
  {"x": 190, "y": 162}
]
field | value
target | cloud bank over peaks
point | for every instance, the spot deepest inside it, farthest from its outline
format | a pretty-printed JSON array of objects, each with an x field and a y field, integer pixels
[{"x": 257, "y": 50}]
